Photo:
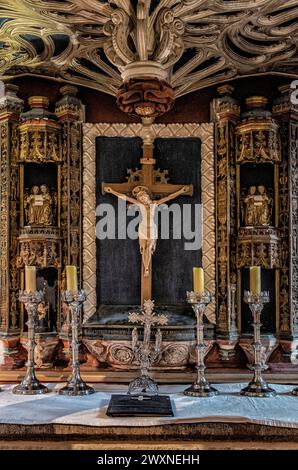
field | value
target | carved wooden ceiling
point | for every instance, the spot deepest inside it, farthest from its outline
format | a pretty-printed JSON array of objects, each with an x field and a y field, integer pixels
[{"x": 197, "y": 42}]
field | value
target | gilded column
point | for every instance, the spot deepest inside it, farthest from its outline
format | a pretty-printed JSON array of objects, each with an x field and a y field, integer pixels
[
  {"x": 69, "y": 112},
  {"x": 287, "y": 115},
  {"x": 226, "y": 113},
  {"x": 10, "y": 109}
]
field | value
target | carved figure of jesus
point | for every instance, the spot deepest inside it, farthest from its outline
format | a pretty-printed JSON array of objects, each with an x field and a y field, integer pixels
[{"x": 147, "y": 230}]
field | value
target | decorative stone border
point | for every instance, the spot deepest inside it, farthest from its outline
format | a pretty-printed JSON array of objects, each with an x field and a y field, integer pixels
[{"x": 205, "y": 132}]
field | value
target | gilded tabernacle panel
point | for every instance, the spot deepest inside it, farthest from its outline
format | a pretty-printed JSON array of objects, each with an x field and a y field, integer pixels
[{"x": 204, "y": 132}]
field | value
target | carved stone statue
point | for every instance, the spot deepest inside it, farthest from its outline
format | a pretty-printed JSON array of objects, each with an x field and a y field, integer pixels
[
  {"x": 249, "y": 203},
  {"x": 47, "y": 213},
  {"x": 257, "y": 207},
  {"x": 264, "y": 206},
  {"x": 33, "y": 206},
  {"x": 43, "y": 313},
  {"x": 39, "y": 206}
]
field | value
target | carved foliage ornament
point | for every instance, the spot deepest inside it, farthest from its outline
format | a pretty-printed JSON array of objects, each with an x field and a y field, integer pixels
[
  {"x": 39, "y": 247},
  {"x": 258, "y": 246},
  {"x": 94, "y": 43},
  {"x": 145, "y": 97},
  {"x": 40, "y": 139}
]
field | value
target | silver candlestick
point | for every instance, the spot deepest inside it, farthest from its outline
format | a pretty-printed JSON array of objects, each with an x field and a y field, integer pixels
[
  {"x": 144, "y": 352},
  {"x": 30, "y": 385},
  {"x": 75, "y": 385},
  {"x": 233, "y": 319},
  {"x": 201, "y": 387},
  {"x": 258, "y": 386}
]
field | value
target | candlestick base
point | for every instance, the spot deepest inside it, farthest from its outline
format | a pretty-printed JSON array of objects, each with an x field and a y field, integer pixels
[
  {"x": 75, "y": 388},
  {"x": 30, "y": 386},
  {"x": 258, "y": 388},
  {"x": 201, "y": 389},
  {"x": 295, "y": 392},
  {"x": 75, "y": 385},
  {"x": 143, "y": 386}
]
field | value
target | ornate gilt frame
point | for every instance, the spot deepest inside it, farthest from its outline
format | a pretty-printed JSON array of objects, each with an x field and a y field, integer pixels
[{"x": 205, "y": 132}]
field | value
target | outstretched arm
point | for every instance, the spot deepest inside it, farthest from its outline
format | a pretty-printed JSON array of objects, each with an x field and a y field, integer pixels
[
  {"x": 183, "y": 190},
  {"x": 108, "y": 189}
]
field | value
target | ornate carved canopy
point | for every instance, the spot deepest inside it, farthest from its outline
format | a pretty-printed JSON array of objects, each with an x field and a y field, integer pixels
[{"x": 189, "y": 43}]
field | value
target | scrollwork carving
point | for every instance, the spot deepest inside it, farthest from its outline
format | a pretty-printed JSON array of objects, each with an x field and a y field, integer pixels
[
  {"x": 4, "y": 225},
  {"x": 216, "y": 41},
  {"x": 145, "y": 97},
  {"x": 39, "y": 247},
  {"x": 177, "y": 354},
  {"x": 40, "y": 138},
  {"x": 258, "y": 139},
  {"x": 10, "y": 108},
  {"x": 257, "y": 246},
  {"x": 120, "y": 354}
]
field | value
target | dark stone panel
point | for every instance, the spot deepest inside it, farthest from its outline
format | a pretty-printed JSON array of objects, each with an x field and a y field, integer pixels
[
  {"x": 256, "y": 175},
  {"x": 38, "y": 174},
  {"x": 119, "y": 261},
  {"x": 172, "y": 264}
]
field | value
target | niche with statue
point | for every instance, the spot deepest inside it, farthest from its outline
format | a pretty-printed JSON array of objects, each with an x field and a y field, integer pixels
[
  {"x": 258, "y": 155},
  {"x": 39, "y": 242}
]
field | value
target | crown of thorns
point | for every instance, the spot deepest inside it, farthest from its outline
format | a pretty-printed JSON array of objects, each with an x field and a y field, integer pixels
[{"x": 140, "y": 189}]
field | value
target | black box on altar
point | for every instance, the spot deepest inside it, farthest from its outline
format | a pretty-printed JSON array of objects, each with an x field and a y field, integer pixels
[{"x": 126, "y": 405}]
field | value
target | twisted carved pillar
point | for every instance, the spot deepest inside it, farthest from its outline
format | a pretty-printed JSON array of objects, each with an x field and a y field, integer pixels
[
  {"x": 69, "y": 111},
  {"x": 10, "y": 109},
  {"x": 287, "y": 115},
  {"x": 226, "y": 114}
]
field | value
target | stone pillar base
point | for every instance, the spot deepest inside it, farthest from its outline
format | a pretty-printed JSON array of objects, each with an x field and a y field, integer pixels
[
  {"x": 12, "y": 355},
  {"x": 45, "y": 349}
]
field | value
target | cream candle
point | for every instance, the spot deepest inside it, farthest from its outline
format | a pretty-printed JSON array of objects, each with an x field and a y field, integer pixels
[
  {"x": 71, "y": 278},
  {"x": 198, "y": 280},
  {"x": 255, "y": 279},
  {"x": 30, "y": 278}
]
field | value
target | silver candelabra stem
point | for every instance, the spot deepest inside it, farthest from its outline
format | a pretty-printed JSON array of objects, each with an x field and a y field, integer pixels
[
  {"x": 201, "y": 387},
  {"x": 30, "y": 385},
  {"x": 258, "y": 386},
  {"x": 233, "y": 326},
  {"x": 143, "y": 351},
  {"x": 75, "y": 385}
]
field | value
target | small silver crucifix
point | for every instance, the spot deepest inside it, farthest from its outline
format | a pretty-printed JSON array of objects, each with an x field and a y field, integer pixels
[{"x": 143, "y": 352}]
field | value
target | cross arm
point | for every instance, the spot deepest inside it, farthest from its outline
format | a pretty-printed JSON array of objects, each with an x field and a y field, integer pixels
[
  {"x": 125, "y": 188},
  {"x": 120, "y": 190},
  {"x": 171, "y": 191},
  {"x": 165, "y": 188}
]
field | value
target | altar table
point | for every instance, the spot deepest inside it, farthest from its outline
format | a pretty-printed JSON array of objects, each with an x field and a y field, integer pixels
[{"x": 227, "y": 407}]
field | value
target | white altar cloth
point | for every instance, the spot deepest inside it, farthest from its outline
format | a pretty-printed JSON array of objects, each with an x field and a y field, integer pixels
[{"x": 228, "y": 407}]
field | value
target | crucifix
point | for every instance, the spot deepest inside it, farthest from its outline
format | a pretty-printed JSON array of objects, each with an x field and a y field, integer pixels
[{"x": 148, "y": 188}]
